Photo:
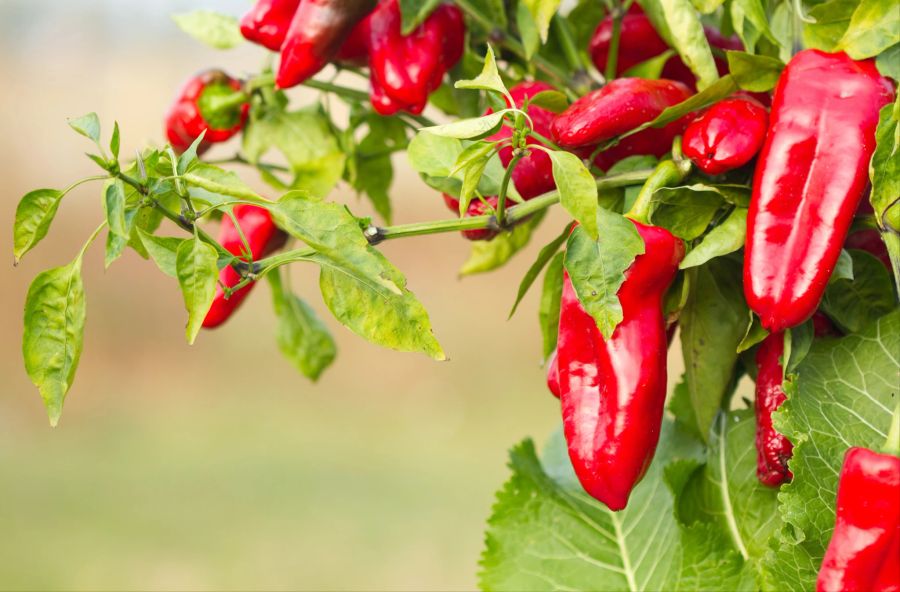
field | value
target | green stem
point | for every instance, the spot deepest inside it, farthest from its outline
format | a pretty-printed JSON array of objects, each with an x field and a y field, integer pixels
[
  {"x": 218, "y": 104},
  {"x": 667, "y": 172},
  {"x": 342, "y": 91},
  {"x": 504, "y": 187},
  {"x": 567, "y": 41},
  {"x": 239, "y": 159},
  {"x": 612, "y": 58}
]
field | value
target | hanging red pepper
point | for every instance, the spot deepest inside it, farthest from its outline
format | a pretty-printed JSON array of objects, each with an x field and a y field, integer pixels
[
  {"x": 553, "y": 374},
  {"x": 613, "y": 391},
  {"x": 773, "y": 450},
  {"x": 620, "y": 106},
  {"x": 811, "y": 174},
  {"x": 726, "y": 136},
  {"x": 864, "y": 552},
  {"x": 404, "y": 70},
  {"x": 268, "y": 22},
  {"x": 533, "y": 174},
  {"x": 211, "y": 101},
  {"x": 318, "y": 30},
  {"x": 262, "y": 237}
]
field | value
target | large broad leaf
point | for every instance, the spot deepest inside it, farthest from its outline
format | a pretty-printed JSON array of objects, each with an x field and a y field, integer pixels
[
  {"x": 302, "y": 337},
  {"x": 577, "y": 189},
  {"x": 597, "y": 268},
  {"x": 545, "y": 533},
  {"x": 874, "y": 27},
  {"x": 855, "y": 302},
  {"x": 197, "y": 271},
  {"x": 844, "y": 396},
  {"x": 54, "y": 332},
  {"x": 713, "y": 324}
]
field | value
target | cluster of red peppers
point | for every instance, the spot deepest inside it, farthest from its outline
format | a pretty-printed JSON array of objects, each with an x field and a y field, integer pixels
[{"x": 404, "y": 69}]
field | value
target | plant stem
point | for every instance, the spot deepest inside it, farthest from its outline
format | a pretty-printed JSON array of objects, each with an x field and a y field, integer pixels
[
  {"x": 504, "y": 187},
  {"x": 612, "y": 58},
  {"x": 239, "y": 159},
  {"x": 667, "y": 172}
]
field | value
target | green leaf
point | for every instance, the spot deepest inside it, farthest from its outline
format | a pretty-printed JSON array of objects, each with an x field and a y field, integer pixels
[
  {"x": 114, "y": 141},
  {"x": 474, "y": 128},
  {"x": 433, "y": 155},
  {"x": 394, "y": 320},
  {"x": 842, "y": 397},
  {"x": 577, "y": 189},
  {"x": 219, "y": 31},
  {"x": 707, "y": 6},
  {"x": 87, "y": 125},
  {"x": 686, "y": 35},
  {"x": 551, "y": 100},
  {"x": 197, "y": 272},
  {"x": 114, "y": 206},
  {"x": 542, "y": 12},
  {"x": 686, "y": 211},
  {"x": 163, "y": 250},
  {"x": 116, "y": 243},
  {"x": 755, "y": 73},
  {"x": 528, "y": 30},
  {"x": 472, "y": 162},
  {"x": 414, "y": 13},
  {"x": 34, "y": 214},
  {"x": 725, "y": 238},
  {"x": 754, "y": 11},
  {"x": 302, "y": 337},
  {"x": 831, "y": 22},
  {"x": 884, "y": 170},
  {"x": 713, "y": 324},
  {"x": 546, "y": 254},
  {"x": 55, "y": 311},
  {"x": 888, "y": 62},
  {"x": 854, "y": 303},
  {"x": 597, "y": 268},
  {"x": 214, "y": 186},
  {"x": 548, "y": 311},
  {"x": 755, "y": 334},
  {"x": 489, "y": 80},
  {"x": 489, "y": 255},
  {"x": 650, "y": 69},
  {"x": 843, "y": 269},
  {"x": 874, "y": 27}
]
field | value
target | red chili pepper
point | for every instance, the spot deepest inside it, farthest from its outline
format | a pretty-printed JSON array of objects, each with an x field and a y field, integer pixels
[
  {"x": 823, "y": 327},
  {"x": 620, "y": 106},
  {"x": 268, "y": 22},
  {"x": 185, "y": 120},
  {"x": 533, "y": 174},
  {"x": 553, "y": 374},
  {"x": 355, "y": 49},
  {"x": 773, "y": 450},
  {"x": 451, "y": 202},
  {"x": 726, "y": 136},
  {"x": 613, "y": 391},
  {"x": 482, "y": 208},
  {"x": 262, "y": 237},
  {"x": 318, "y": 30},
  {"x": 864, "y": 552},
  {"x": 404, "y": 70},
  {"x": 811, "y": 174}
]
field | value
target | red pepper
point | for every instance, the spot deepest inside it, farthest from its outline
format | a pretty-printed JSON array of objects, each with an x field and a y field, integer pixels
[
  {"x": 811, "y": 175},
  {"x": 553, "y": 374},
  {"x": 404, "y": 70},
  {"x": 262, "y": 237},
  {"x": 773, "y": 450},
  {"x": 355, "y": 49},
  {"x": 618, "y": 107},
  {"x": 451, "y": 202},
  {"x": 481, "y": 208},
  {"x": 268, "y": 22},
  {"x": 727, "y": 136},
  {"x": 864, "y": 552},
  {"x": 533, "y": 174},
  {"x": 613, "y": 391},
  {"x": 185, "y": 119},
  {"x": 318, "y": 30}
]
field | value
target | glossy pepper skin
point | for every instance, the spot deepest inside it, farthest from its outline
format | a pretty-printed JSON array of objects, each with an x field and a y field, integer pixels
[
  {"x": 404, "y": 70},
  {"x": 533, "y": 174},
  {"x": 612, "y": 392},
  {"x": 618, "y": 107},
  {"x": 553, "y": 374},
  {"x": 268, "y": 22},
  {"x": 726, "y": 136},
  {"x": 864, "y": 552},
  {"x": 184, "y": 121},
  {"x": 262, "y": 237},
  {"x": 810, "y": 176},
  {"x": 317, "y": 32},
  {"x": 773, "y": 450}
]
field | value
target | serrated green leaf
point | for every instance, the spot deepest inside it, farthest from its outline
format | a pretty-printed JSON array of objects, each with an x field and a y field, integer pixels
[
  {"x": 197, "y": 272},
  {"x": 548, "y": 310},
  {"x": 55, "y": 311},
  {"x": 577, "y": 189},
  {"x": 597, "y": 268},
  {"x": 217, "y": 30},
  {"x": 725, "y": 238},
  {"x": 34, "y": 214},
  {"x": 87, "y": 125}
]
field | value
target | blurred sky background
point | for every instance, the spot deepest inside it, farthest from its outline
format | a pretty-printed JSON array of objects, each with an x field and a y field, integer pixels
[{"x": 218, "y": 466}]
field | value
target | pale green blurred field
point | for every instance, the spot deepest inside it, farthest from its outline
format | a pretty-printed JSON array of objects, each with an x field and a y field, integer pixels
[{"x": 218, "y": 466}]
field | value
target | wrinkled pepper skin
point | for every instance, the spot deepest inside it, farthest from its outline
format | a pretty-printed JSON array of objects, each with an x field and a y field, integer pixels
[
  {"x": 184, "y": 122},
  {"x": 727, "y": 136},
  {"x": 618, "y": 107},
  {"x": 773, "y": 450},
  {"x": 262, "y": 237},
  {"x": 811, "y": 174},
  {"x": 268, "y": 22},
  {"x": 533, "y": 174},
  {"x": 612, "y": 392},
  {"x": 404, "y": 70},
  {"x": 318, "y": 30},
  {"x": 553, "y": 374},
  {"x": 863, "y": 554}
]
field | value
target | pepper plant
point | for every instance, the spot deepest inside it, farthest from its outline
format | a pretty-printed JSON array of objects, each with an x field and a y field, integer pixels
[{"x": 731, "y": 173}]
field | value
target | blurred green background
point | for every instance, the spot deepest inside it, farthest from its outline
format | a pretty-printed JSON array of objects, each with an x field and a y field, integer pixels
[{"x": 218, "y": 466}]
